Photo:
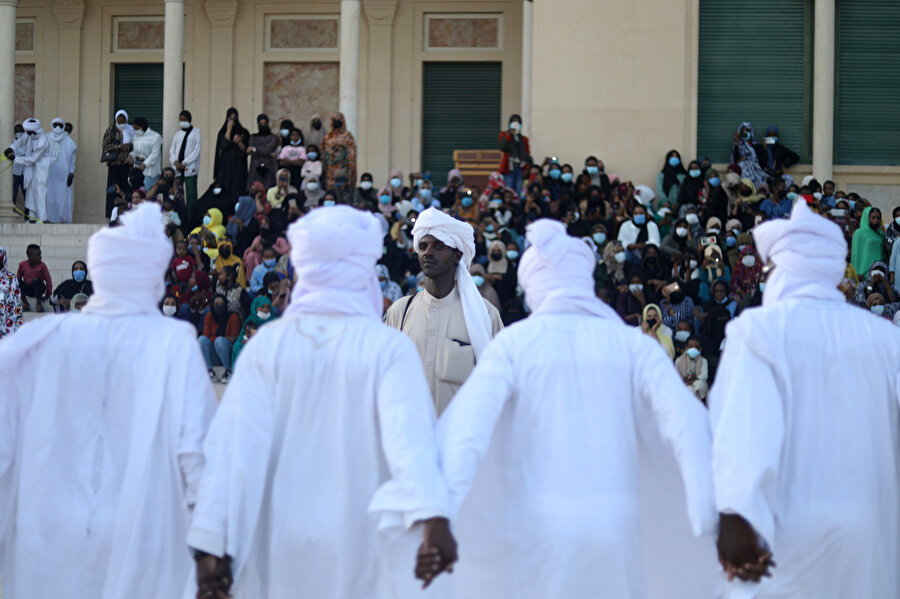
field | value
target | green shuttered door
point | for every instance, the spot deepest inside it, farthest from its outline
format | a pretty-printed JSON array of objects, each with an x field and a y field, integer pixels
[
  {"x": 138, "y": 90},
  {"x": 461, "y": 111},
  {"x": 754, "y": 66},
  {"x": 867, "y": 108}
]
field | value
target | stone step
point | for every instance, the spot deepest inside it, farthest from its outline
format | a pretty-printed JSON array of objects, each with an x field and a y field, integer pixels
[{"x": 61, "y": 245}]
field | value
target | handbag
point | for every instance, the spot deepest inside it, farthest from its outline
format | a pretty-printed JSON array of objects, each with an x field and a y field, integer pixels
[{"x": 109, "y": 156}]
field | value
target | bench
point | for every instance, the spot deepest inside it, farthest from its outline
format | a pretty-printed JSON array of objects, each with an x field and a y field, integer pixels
[{"x": 476, "y": 166}]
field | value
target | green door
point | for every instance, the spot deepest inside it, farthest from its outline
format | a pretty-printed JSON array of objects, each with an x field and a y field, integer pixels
[
  {"x": 138, "y": 90},
  {"x": 461, "y": 111},
  {"x": 867, "y": 98},
  {"x": 755, "y": 65}
]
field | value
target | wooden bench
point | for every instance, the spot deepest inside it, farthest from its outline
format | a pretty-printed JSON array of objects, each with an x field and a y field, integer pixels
[{"x": 476, "y": 166}]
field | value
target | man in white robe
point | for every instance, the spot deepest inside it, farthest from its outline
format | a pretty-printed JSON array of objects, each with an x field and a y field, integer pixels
[
  {"x": 549, "y": 434},
  {"x": 61, "y": 174},
  {"x": 33, "y": 152},
  {"x": 102, "y": 419},
  {"x": 806, "y": 432},
  {"x": 326, "y": 418}
]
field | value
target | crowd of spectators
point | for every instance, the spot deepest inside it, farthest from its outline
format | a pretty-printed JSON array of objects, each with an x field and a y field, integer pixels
[{"x": 675, "y": 259}]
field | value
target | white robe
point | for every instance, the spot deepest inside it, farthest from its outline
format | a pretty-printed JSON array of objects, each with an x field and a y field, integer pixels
[
  {"x": 582, "y": 416},
  {"x": 35, "y": 157},
  {"x": 101, "y": 430},
  {"x": 806, "y": 439},
  {"x": 59, "y": 194},
  {"x": 323, "y": 413}
]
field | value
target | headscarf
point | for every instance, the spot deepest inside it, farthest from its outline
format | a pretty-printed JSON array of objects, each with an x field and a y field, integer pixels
[
  {"x": 754, "y": 196},
  {"x": 263, "y": 131},
  {"x": 714, "y": 272},
  {"x": 663, "y": 333},
  {"x": 644, "y": 195},
  {"x": 557, "y": 273},
  {"x": 461, "y": 236},
  {"x": 486, "y": 290},
  {"x": 670, "y": 173},
  {"x": 497, "y": 266},
  {"x": 236, "y": 129},
  {"x": 749, "y": 161},
  {"x": 867, "y": 244},
  {"x": 78, "y": 297},
  {"x": 396, "y": 172},
  {"x": 316, "y": 136},
  {"x": 57, "y": 136},
  {"x": 11, "y": 307},
  {"x": 246, "y": 209},
  {"x": 312, "y": 197},
  {"x": 126, "y": 129},
  {"x": 745, "y": 278},
  {"x": 334, "y": 253},
  {"x": 128, "y": 264},
  {"x": 615, "y": 270},
  {"x": 808, "y": 252},
  {"x": 339, "y": 150},
  {"x": 454, "y": 173},
  {"x": 391, "y": 290},
  {"x": 34, "y": 126},
  {"x": 862, "y": 287}
]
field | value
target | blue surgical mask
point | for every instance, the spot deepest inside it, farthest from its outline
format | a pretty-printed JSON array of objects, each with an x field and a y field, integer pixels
[
  {"x": 420, "y": 182},
  {"x": 682, "y": 336},
  {"x": 694, "y": 172},
  {"x": 396, "y": 182},
  {"x": 312, "y": 155},
  {"x": 512, "y": 255},
  {"x": 724, "y": 300},
  {"x": 194, "y": 288},
  {"x": 285, "y": 132},
  {"x": 329, "y": 203},
  {"x": 383, "y": 284},
  {"x": 385, "y": 199},
  {"x": 79, "y": 275},
  {"x": 237, "y": 206},
  {"x": 674, "y": 161},
  {"x": 489, "y": 229},
  {"x": 693, "y": 353},
  {"x": 791, "y": 196},
  {"x": 555, "y": 173},
  {"x": 207, "y": 221},
  {"x": 466, "y": 201},
  {"x": 270, "y": 263},
  {"x": 730, "y": 242},
  {"x": 852, "y": 204},
  {"x": 599, "y": 237},
  {"x": 746, "y": 135},
  {"x": 877, "y": 310},
  {"x": 425, "y": 194},
  {"x": 640, "y": 219},
  {"x": 479, "y": 280},
  {"x": 762, "y": 286},
  {"x": 714, "y": 181},
  {"x": 741, "y": 247},
  {"x": 567, "y": 177},
  {"x": 592, "y": 170},
  {"x": 897, "y": 221},
  {"x": 295, "y": 142}
]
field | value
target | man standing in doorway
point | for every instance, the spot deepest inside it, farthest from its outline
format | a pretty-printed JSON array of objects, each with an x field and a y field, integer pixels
[
  {"x": 516, "y": 154},
  {"x": 184, "y": 155},
  {"x": 449, "y": 321},
  {"x": 33, "y": 152}
]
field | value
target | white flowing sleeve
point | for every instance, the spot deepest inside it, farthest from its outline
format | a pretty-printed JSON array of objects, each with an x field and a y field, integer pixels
[
  {"x": 748, "y": 435},
  {"x": 417, "y": 489},
  {"x": 197, "y": 411},
  {"x": 684, "y": 428},
  {"x": 72, "y": 153},
  {"x": 653, "y": 234},
  {"x": 466, "y": 427},
  {"x": 9, "y": 424}
]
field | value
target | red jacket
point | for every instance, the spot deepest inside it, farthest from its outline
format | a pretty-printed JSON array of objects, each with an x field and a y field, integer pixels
[{"x": 504, "y": 162}]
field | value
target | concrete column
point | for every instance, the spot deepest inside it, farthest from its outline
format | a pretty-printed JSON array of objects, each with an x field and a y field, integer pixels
[
  {"x": 173, "y": 72},
  {"x": 221, "y": 14},
  {"x": 69, "y": 17},
  {"x": 823, "y": 91},
  {"x": 7, "y": 99},
  {"x": 527, "y": 37},
  {"x": 349, "y": 86},
  {"x": 380, "y": 16}
]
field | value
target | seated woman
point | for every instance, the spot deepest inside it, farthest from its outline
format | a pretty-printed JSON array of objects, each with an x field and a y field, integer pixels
[
  {"x": 275, "y": 196},
  {"x": 220, "y": 330},
  {"x": 78, "y": 302},
  {"x": 652, "y": 324},
  {"x": 713, "y": 269},
  {"x": 238, "y": 300},
  {"x": 79, "y": 283}
]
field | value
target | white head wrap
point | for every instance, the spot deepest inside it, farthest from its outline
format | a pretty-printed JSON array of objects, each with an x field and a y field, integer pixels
[
  {"x": 128, "y": 264},
  {"x": 32, "y": 125},
  {"x": 460, "y": 235},
  {"x": 644, "y": 195},
  {"x": 127, "y": 130},
  {"x": 809, "y": 253},
  {"x": 57, "y": 136},
  {"x": 333, "y": 251},
  {"x": 557, "y": 273}
]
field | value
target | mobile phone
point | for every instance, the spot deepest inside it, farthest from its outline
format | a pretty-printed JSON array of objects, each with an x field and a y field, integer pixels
[
  {"x": 771, "y": 140},
  {"x": 111, "y": 189}
]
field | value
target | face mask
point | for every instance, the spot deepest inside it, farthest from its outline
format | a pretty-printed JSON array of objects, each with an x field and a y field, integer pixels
[
  {"x": 396, "y": 182},
  {"x": 852, "y": 204},
  {"x": 713, "y": 231},
  {"x": 79, "y": 275},
  {"x": 791, "y": 196},
  {"x": 466, "y": 202},
  {"x": 18, "y": 135},
  {"x": 682, "y": 336},
  {"x": 694, "y": 172},
  {"x": 746, "y": 135},
  {"x": 479, "y": 280},
  {"x": 121, "y": 126},
  {"x": 496, "y": 256},
  {"x": 220, "y": 309},
  {"x": 877, "y": 310},
  {"x": 365, "y": 185},
  {"x": 681, "y": 232},
  {"x": 674, "y": 161},
  {"x": 270, "y": 263},
  {"x": 817, "y": 196},
  {"x": 337, "y": 124},
  {"x": 295, "y": 142},
  {"x": 420, "y": 182},
  {"x": 748, "y": 261},
  {"x": 194, "y": 288},
  {"x": 620, "y": 257},
  {"x": 599, "y": 238},
  {"x": 236, "y": 207},
  {"x": 512, "y": 254},
  {"x": 285, "y": 132},
  {"x": 730, "y": 242},
  {"x": 567, "y": 177},
  {"x": 692, "y": 218},
  {"x": 329, "y": 203},
  {"x": 554, "y": 173},
  {"x": 425, "y": 193},
  {"x": 635, "y": 287},
  {"x": 714, "y": 181},
  {"x": 592, "y": 170},
  {"x": 515, "y": 126},
  {"x": 207, "y": 221},
  {"x": 184, "y": 124},
  {"x": 263, "y": 315},
  {"x": 169, "y": 310},
  {"x": 876, "y": 226},
  {"x": 693, "y": 353},
  {"x": 312, "y": 186},
  {"x": 383, "y": 284},
  {"x": 762, "y": 286},
  {"x": 217, "y": 191},
  {"x": 385, "y": 200},
  {"x": 838, "y": 212},
  {"x": 312, "y": 155},
  {"x": 640, "y": 219},
  {"x": 692, "y": 264},
  {"x": 225, "y": 251}
]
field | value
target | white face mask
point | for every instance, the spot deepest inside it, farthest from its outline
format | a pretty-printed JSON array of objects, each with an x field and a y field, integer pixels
[
  {"x": 312, "y": 186},
  {"x": 877, "y": 310},
  {"x": 217, "y": 190},
  {"x": 635, "y": 287},
  {"x": 712, "y": 231},
  {"x": 365, "y": 185},
  {"x": 682, "y": 336},
  {"x": 169, "y": 310},
  {"x": 184, "y": 124},
  {"x": 692, "y": 218},
  {"x": 515, "y": 126},
  {"x": 263, "y": 315},
  {"x": 748, "y": 261},
  {"x": 681, "y": 232},
  {"x": 620, "y": 257},
  {"x": 693, "y": 264},
  {"x": 19, "y": 134}
]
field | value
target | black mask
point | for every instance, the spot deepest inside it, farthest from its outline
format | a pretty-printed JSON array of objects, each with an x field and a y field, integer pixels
[
  {"x": 220, "y": 309},
  {"x": 317, "y": 124},
  {"x": 496, "y": 256},
  {"x": 225, "y": 252},
  {"x": 745, "y": 192},
  {"x": 676, "y": 297},
  {"x": 337, "y": 123}
]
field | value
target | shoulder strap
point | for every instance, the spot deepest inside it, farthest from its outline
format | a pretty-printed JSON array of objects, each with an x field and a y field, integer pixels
[{"x": 406, "y": 309}]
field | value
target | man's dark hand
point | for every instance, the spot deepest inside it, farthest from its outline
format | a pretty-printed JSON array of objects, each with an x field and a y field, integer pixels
[
  {"x": 740, "y": 553},
  {"x": 70, "y": 179},
  {"x": 10, "y": 155},
  {"x": 437, "y": 553},
  {"x": 213, "y": 576}
]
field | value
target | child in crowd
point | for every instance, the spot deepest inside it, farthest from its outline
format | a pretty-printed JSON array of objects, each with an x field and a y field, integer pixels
[{"x": 34, "y": 279}]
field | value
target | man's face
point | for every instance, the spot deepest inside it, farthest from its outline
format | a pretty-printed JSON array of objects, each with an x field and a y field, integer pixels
[
  {"x": 436, "y": 258},
  {"x": 34, "y": 256},
  {"x": 828, "y": 189},
  {"x": 719, "y": 293}
]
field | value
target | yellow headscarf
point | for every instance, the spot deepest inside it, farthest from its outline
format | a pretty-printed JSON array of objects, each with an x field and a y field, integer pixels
[
  {"x": 232, "y": 260},
  {"x": 663, "y": 333}
]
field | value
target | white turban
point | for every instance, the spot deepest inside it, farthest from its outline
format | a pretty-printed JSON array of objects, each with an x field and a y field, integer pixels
[
  {"x": 128, "y": 264},
  {"x": 644, "y": 195},
  {"x": 461, "y": 236},
  {"x": 557, "y": 273},
  {"x": 809, "y": 253},
  {"x": 334, "y": 251},
  {"x": 32, "y": 125}
]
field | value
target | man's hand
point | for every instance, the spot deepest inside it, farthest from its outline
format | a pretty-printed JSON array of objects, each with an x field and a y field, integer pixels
[
  {"x": 437, "y": 553},
  {"x": 740, "y": 553},
  {"x": 10, "y": 155},
  {"x": 213, "y": 576},
  {"x": 70, "y": 179}
]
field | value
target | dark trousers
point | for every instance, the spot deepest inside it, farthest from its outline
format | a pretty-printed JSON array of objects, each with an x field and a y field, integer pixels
[
  {"x": 36, "y": 289},
  {"x": 118, "y": 174},
  {"x": 18, "y": 184}
]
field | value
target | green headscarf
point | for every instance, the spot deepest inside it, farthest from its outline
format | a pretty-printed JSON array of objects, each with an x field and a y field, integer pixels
[
  {"x": 253, "y": 319},
  {"x": 867, "y": 244}
]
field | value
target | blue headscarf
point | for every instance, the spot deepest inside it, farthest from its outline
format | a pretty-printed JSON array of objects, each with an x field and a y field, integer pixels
[{"x": 245, "y": 211}]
